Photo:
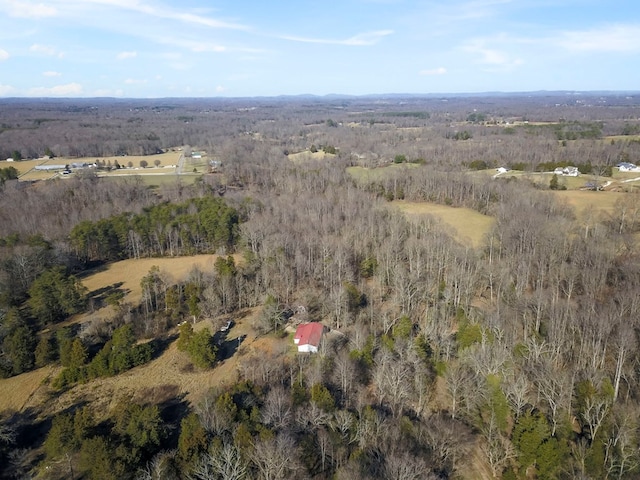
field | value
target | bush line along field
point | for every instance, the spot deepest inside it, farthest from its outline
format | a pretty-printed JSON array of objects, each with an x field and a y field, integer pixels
[{"x": 479, "y": 306}]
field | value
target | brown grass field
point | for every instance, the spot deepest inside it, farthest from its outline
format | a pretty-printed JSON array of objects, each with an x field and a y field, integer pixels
[
  {"x": 468, "y": 226},
  {"x": 130, "y": 273},
  {"x": 27, "y": 172},
  {"x": 170, "y": 372},
  {"x": 307, "y": 155},
  {"x": 363, "y": 174},
  {"x": 165, "y": 159},
  {"x": 16, "y": 392},
  {"x": 585, "y": 202}
]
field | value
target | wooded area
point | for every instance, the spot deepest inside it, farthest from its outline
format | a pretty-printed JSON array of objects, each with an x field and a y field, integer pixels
[{"x": 516, "y": 360}]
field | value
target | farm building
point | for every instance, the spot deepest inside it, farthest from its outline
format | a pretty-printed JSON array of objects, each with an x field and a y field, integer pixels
[
  {"x": 308, "y": 337},
  {"x": 51, "y": 167}
]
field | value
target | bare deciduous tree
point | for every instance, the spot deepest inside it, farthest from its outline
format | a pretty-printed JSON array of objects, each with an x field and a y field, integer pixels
[{"x": 276, "y": 458}]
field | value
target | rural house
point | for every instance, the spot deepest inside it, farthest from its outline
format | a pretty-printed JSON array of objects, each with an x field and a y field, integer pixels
[
  {"x": 567, "y": 171},
  {"x": 628, "y": 167},
  {"x": 308, "y": 337}
]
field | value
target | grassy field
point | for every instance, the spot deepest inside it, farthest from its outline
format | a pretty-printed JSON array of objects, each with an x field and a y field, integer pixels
[
  {"x": 129, "y": 273},
  {"x": 16, "y": 392},
  {"x": 171, "y": 373},
  {"x": 165, "y": 159},
  {"x": 366, "y": 175},
  {"x": 26, "y": 169},
  {"x": 468, "y": 226},
  {"x": 172, "y": 367},
  {"x": 585, "y": 202},
  {"x": 166, "y": 165},
  {"x": 622, "y": 138},
  {"x": 307, "y": 155}
]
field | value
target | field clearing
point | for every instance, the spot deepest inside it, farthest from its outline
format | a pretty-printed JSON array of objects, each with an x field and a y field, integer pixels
[
  {"x": 171, "y": 370},
  {"x": 167, "y": 158},
  {"x": 308, "y": 155},
  {"x": 544, "y": 178},
  {"x": 366, "y": 175},
  {"x": 130, "y": 272},
  {"x": 171, "y": 373},
  {"x": 585, "y": 202},
  {"x": 622, "y": 138},
  {"x": 25, "y": 165},
  {"x": 468, "y": 225},
  {"x": 16, "y": 391},
  {"x": 139, "y": 171}
]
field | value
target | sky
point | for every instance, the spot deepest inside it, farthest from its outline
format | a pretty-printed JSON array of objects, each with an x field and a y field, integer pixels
[{"x": 245, "y": 48}]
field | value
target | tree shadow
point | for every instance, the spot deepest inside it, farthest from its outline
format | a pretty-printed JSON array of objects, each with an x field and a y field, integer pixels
[
  {"x": 100, "y": 297},
  {"x": 160, "y": 344},
  {"x": 89, "y": 268},
  {"x": 228, "y": 347}
]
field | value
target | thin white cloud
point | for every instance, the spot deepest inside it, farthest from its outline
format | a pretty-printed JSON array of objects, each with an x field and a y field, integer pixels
[
  {"x": 6, "y": 89},
  {"x": 491, "y": 57},
  {"x": 105, "y": 92},
  {"x": 23, "y": 9},
  {"x": 168, "y": 13},
  {"x": 4, "y": 55},
  {"x": 126, "y": 55},
  {"x": 359, "y": 40},
  {"x": 134, "y": 81},
  {"x": 619, "y": 38},
  {"x": 199, "y": 46},
  {"x": 434, "y": 71},
  {"x": 45, "y": 50},
  {"x": 51, "y": 73},
  {"x": 220, "y": 89},
  {"x": 207, "y": 47},
  {"x": 67, "y": 90}
]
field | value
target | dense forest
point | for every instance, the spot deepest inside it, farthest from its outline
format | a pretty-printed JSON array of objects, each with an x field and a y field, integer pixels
[{"x": 516, "y": 360}]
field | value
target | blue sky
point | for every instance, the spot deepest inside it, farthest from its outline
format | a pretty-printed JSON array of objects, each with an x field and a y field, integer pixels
[{"x": 237, "y": 48}]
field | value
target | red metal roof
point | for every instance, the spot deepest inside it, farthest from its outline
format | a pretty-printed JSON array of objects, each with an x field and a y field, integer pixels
[{"x": 309, "y": 334}]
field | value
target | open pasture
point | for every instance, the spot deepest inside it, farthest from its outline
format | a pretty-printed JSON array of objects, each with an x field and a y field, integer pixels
[
  {"x": 16, "y": 391},
  {"x": 468, "y": 226},
  {"x": 307, "y": 155},
  {"x": 129, "y": 273},
  {"x": 586, "y": 202},
  {"x": 163, "y": 159},
  {"x": 366, "y": 175}
]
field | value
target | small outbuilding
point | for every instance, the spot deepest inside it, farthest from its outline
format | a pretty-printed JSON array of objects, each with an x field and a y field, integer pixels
[{"x": 308, "y": 337}]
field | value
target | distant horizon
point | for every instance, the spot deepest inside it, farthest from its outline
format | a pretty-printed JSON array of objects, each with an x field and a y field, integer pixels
[
  {"x": 248, "y": 48},
  {"x": 355, "y": 96}
]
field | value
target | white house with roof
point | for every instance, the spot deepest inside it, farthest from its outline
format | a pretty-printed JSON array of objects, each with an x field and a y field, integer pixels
[
  {"x": 308, "y": 337},
  {"x": 628, "y": 167},
  {"x": 567, "y": 171}
]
